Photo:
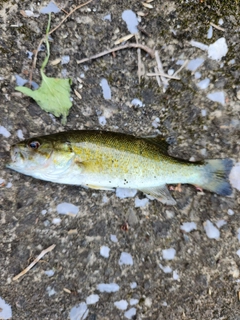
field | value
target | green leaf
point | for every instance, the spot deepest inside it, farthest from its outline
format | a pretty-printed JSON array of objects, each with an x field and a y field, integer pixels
[{"x": 53, "y": 96}]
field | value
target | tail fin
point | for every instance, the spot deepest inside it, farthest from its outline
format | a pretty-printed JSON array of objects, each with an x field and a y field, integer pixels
[{"x": 217, "y": 172}]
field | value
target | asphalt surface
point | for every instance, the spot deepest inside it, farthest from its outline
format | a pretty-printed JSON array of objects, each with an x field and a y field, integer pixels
[{"x": 202, "y": 281}]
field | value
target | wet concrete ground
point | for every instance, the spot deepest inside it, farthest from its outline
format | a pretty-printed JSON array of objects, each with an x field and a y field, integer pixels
[{"x": 204, "y": 279}]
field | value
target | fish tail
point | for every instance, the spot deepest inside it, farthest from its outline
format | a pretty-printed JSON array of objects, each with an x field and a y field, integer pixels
[{"x": 216, "y": 173}]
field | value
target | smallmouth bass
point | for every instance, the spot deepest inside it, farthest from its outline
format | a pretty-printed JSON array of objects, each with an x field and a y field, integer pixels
[{"x": 106, "y": 160}]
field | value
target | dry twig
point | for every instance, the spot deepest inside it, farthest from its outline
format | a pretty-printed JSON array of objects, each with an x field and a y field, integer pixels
[
  {"x": 60, "y": 8},
  {"x": 144, "y": 31},
  {"x": 34, "y": 262},
  {"x": 126, "y": 46},
  {"x": 160, "y": 68},
  {"x": 157, "y": 76},
  {"x": 180, "y": 69},
  {"x": 216, "y": 26},
  {"x": 141, "y": 67},
  {"x": 162, "y": 75}
]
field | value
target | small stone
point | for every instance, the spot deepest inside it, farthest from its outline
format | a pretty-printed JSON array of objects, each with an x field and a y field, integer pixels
[
  {"x": 230, "y": 212},
  {"x": 148, "y": 302},
  {"x": 170, "y": 214},
  {"x": 132, "y": 217}
]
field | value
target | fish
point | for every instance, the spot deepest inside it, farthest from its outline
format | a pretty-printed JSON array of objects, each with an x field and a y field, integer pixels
[{"x": 106, "y": 160}]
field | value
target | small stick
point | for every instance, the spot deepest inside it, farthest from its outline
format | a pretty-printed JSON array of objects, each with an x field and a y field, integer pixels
[
  {"x": 141, "y": 68},
  {"x": 180, "y": 69},
  {"x": 162, "y": 75},
  {"x": 216, "y": 26},
  {"x": 63, "y": 10},
  {"x": 34, "y": 262},
  {"x": 35, "y": 60},
  {"x": 160, "y": 68},
  {"x": 144, "y": 31},
  {"x": 157, "y": 76},
  {"x": 60, "y": 8},
  {"x": 126, "y": 46},
  {"x": 139, "y": 65},
  {"x": 69, "y": 14}
]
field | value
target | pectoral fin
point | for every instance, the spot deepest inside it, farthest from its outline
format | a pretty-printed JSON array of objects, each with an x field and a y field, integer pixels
[
  {"x": 91, "y": 165},
  {"x": 99, "y": 187},
  {"x": 161, "y": 193}
]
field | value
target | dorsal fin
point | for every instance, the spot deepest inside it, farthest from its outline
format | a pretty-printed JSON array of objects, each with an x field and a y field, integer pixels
[{"x": 160, "y": 141}]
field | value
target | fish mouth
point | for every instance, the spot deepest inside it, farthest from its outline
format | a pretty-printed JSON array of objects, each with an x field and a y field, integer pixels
[{"x": 15, "y": 155}]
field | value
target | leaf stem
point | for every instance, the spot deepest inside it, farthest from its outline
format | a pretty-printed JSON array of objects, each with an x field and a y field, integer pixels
[{"x": 47, "y": 44}]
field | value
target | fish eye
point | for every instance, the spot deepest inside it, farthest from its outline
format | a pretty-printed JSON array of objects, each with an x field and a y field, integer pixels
[{"x": 34, "y": 145}]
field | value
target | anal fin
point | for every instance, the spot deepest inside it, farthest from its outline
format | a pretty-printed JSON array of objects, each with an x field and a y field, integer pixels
[{"x": 161, "y": 193}]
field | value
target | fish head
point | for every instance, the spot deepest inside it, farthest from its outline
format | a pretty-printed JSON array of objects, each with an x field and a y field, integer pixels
[{"x": 40, "y": 157}]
